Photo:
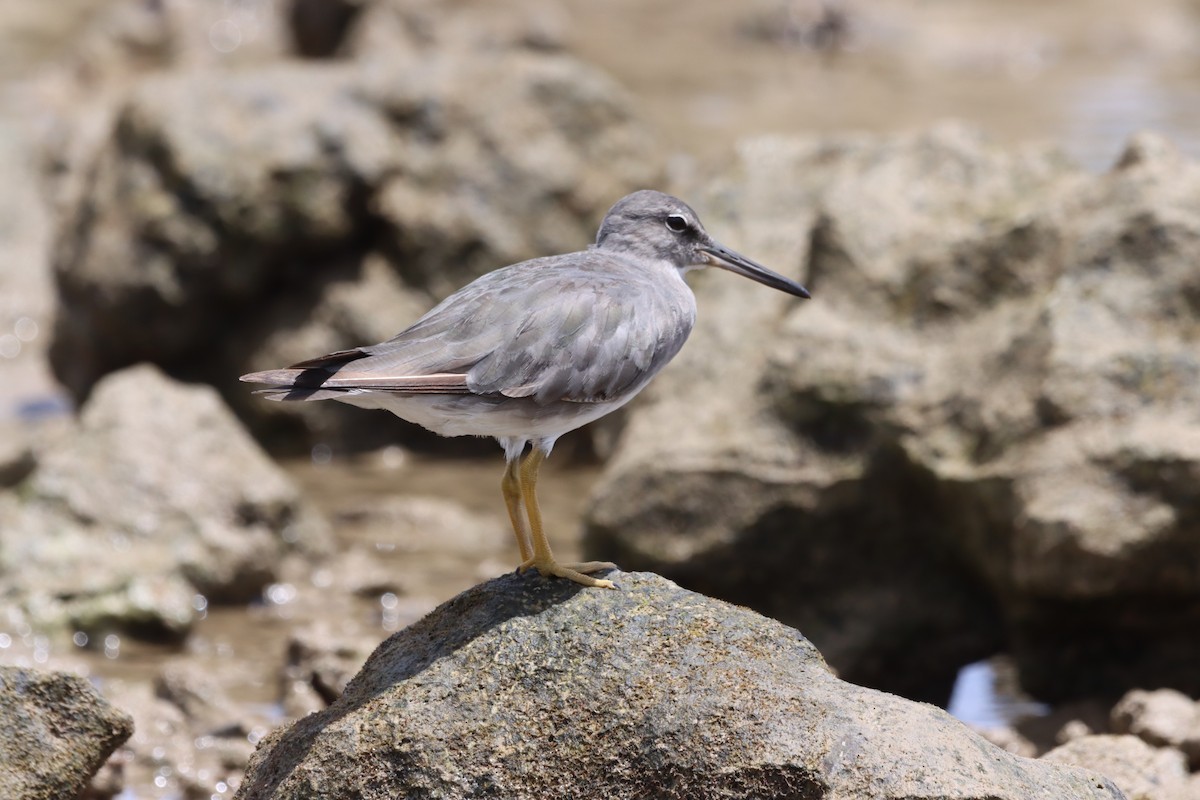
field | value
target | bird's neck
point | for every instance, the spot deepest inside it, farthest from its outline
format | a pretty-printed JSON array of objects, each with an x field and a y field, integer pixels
[{"x": 652, "y": 263}]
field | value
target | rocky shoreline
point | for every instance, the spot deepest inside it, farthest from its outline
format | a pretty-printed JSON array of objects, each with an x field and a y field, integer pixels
[{"x": 981, "y": 437}]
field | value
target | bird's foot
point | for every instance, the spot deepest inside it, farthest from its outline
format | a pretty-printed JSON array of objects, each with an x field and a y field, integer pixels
[{"x": 573, "y": 571}]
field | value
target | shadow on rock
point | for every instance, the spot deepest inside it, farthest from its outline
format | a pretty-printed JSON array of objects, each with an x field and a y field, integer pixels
[{"x": 401, "y": 658}]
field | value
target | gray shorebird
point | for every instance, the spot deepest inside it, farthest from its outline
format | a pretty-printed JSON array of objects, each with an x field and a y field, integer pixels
[{"x": 531, "y": 351}]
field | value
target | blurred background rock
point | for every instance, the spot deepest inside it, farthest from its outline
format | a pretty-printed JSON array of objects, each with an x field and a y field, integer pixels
[{"x": 980, "y": 440}]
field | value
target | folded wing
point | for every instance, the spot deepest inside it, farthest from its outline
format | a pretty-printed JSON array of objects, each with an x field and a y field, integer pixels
[{"x": 587, "y": 331}]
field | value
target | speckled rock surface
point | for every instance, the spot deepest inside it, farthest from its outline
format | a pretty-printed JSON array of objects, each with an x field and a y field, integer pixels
[
  {"x": 55, "y": 733},
  {"x": 528, "y": 688}
]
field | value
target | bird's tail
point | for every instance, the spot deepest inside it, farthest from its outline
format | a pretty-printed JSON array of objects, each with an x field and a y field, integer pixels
[
  {"x": 293, "y": 384},
  {"x": 312, "y": 383}
]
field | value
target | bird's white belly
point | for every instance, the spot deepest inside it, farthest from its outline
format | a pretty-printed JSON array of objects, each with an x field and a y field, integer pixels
[{"x": 472, "y": 415}]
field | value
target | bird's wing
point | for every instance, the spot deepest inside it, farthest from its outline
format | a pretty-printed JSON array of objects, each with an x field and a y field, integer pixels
[{"x": 583, "y": 330}]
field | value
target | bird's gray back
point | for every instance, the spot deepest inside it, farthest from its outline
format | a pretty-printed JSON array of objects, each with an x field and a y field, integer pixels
[{"x": 586, "y": 327}]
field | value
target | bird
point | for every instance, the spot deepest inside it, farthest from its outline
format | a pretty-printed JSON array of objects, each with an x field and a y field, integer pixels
[{"x": 531, "y": 351}]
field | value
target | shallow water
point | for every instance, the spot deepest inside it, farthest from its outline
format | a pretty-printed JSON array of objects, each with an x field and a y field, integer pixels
[{"x": 255, "y": 637}]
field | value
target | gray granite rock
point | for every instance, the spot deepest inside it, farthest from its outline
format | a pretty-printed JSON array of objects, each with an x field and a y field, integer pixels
[
  {"x": 55, "y": 733},
  {"x": 531, "y": 688}
]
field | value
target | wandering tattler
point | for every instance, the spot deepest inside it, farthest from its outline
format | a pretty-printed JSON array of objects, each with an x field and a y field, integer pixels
[{"x": 534, "y": 350}]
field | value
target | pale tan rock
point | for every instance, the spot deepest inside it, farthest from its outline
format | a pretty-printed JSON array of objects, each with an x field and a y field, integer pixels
[
  {"x": 1142, "y": 772},
  {"x": 980, "y": 435},
  {"x": 1163, "y": 718}
]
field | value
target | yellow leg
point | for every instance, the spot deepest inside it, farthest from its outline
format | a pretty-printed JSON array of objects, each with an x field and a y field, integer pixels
[
  {"x": 510, "y": 485},
  {"x": 542, "y": 559}
]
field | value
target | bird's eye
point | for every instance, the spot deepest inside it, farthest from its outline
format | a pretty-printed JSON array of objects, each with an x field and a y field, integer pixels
[{"x": 677, "y": 223}]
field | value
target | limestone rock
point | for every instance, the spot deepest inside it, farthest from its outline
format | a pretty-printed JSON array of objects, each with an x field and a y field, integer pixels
[
  {"x": 1141, "y": 771},
  {"x": 324, "y": 658},
  {"x": 55, "y": 733},
  {"x": 17, "y": 459},
  {"x": 191, "y": 751},
  {"x": 200, "y": 697},
  {"x": 978, "y": 437},
  {"x": 529, "y": 688},
  {"x": 230, "y": 221},
  {"x": 1163, "y": 718},
  {"x": 159, "y": 495}
]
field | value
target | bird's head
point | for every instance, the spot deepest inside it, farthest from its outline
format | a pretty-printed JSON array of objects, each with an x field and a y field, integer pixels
[{"x": 654, "y": 225}]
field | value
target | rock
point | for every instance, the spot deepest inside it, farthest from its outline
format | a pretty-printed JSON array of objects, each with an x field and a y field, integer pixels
[
  {"x": 421, "y": 25},
  {"x": 108, "y": 782},
  {"x": 807, "y": 24},
  {"x": 407, "y": 546},
  {"x": 525, "y": 687},
  {"x": 16, "y": 460},
  {"x": 127, "y": 39},
  {"x": 318, "y": 27},
  {"x": 171, "y": 750},
  {"x": 430, "y": 527},
  {"x": 358, "y": 571},
  {"x": 1010, "y": 740},
  {"x": 1075, "y": 729},
  {"x": 779, "y": 498},
  {"x": 978, "y": 436},
  {"x": 202, "y": 700},
  {"x": 27, "y": 391},
  {"x": 324, "y": 658},
  {"x": 1064, "y": 722},
  {"x": 1189, "y": 790},
  {"x": 1139, "y": 770},
  {"x": 154, "y": 607},
  {"x": 230, "y": 221},
  {"x": 58, "y": 731},
  {"x": 159, "y": 495},
  {"x": 1163, "y": 718}
]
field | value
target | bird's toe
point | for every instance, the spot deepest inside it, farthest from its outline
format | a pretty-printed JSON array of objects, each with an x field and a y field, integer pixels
[{"x": 573, "y": 571}]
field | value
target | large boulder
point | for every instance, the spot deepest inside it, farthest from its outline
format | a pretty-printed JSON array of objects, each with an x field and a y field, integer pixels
[
  {"x": 55, "y": 733},
  {"x": 156, "y": 496},
  {"x": 980, "y": 434},
  {"x": 526, "y": 688},
  {"x": 235, "y": 220}
]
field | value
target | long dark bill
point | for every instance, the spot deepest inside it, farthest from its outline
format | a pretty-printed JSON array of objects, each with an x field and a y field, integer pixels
[{"x": 721, "y": 256}]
